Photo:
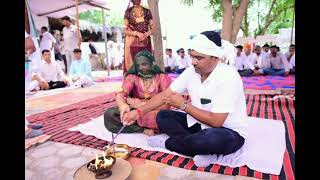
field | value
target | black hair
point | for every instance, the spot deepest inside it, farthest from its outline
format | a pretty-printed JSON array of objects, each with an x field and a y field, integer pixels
[
  {"x": 213, "y": 36},
  {"x": 44, "y": 28},
  {"x": 239, "y": 47},
  {"x": 266, "y": 45},
  {"x": 76, "y": 50},
  {"x": 292, "y": 45},
  {"x": 45, "y": 50},
  {"x": 181, "y": 49},
  {"x": 67, "y": 18},
  {"x": 169, "y": 49}
]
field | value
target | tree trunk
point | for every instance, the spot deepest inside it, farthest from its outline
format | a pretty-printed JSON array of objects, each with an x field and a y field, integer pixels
[
  {"x": 157, "y": 36},
  {"x": 237, "y": 19},
  {"x": 245, "y": 28},
  {"x": 232, "y": 19},
  {"x": 227, "y": 20}
]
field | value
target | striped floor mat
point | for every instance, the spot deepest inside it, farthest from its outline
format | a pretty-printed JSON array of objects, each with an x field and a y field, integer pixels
[{"x": 57, "y": 121}]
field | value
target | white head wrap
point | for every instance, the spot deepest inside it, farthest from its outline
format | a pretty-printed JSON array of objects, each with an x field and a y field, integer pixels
[{"x": 202, "y": 44}]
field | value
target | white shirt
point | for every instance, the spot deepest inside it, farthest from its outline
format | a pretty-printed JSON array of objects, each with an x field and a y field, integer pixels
[
  {"x": 293, "y": 61},
  {"x": 225, "y": 90},
  {"x": 35, "y": 57},
  {"x": 265, "y": 54},
  {"x": 279, "y": 62},
  {"x": 70, "y": 37},
  {"x": 50, "y": 72},
  {"x": 46, "y": 41},
  {"x": 184, "y": 62},
  {"x": 260, "y": 61},
  {"x": 170, "y": 62},
  {"x": 243, "y": 62}
]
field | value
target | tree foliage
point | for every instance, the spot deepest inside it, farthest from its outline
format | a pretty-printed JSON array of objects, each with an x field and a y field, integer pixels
[
  {"x": 262, "y": 16},
  {"x": 95, "y": 16}
]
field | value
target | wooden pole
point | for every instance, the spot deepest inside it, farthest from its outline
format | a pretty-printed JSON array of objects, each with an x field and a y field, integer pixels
[
  {"x": 292, "y": 27},
  {"x": 105, "y": 40},
  {"x": 77, "y": 21}
]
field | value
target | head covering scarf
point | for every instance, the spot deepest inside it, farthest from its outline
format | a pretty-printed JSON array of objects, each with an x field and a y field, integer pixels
[
  {"x": 215, "y": 46},
  {"x": 155, "y": 69},
  {"x": 247, "y": 46}
]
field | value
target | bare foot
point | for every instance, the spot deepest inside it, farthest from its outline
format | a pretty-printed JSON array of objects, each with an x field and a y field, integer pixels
[{"x": 149, "y": 132}]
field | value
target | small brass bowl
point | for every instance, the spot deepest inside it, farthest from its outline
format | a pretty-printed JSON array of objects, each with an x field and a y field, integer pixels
[
  {"x": 119, "y": 151},
  {"x": 101, "y": 170}
]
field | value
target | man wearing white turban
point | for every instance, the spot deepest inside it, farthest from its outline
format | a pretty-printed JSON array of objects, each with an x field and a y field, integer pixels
[{"x": 215, "y": 121}]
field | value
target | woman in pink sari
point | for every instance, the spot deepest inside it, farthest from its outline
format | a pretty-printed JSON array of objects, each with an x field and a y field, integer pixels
[
  {"x": 138, "y": 26},
  {"x": 142, "y": 81}
]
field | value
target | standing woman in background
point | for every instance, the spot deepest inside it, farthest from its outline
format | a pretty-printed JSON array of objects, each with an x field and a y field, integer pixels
[{"x": 138, "y": 27}]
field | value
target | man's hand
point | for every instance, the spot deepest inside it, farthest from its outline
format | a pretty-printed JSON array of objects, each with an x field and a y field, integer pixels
[
  {"x": 256, "y": 72},
  {"x": 130, "y": 118},
  {"x": 286, "y": 73},
  {"x": 175, "y": 100},
  {"x": 44, "y": 85}
]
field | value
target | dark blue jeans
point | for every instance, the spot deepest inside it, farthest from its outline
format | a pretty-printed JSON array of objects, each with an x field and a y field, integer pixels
[
  {"x": 194, "y": 141},
  {"x": 274, "y": 72}
]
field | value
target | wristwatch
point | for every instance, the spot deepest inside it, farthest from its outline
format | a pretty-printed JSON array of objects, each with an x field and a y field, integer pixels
[{"x": 183, "y": 106}]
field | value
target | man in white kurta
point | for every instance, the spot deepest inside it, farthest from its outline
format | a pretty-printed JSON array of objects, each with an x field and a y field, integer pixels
[
  {"x": 215, "y": 121},
  {"x": 70, "y": 39}
]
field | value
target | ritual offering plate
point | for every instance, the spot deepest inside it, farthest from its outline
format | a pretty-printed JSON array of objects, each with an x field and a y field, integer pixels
[
  {"x": 118, "y": 170},
  {"x": 119, "y": 151}
]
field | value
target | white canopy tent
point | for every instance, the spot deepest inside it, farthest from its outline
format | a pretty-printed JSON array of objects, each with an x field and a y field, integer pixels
[{"x": 60, "y": 8}]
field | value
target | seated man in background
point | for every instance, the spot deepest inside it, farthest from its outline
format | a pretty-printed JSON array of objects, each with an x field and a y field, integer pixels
[
  {"x": 80, "y": 70},
  {"x": 170, "y": 62},
  {"x": 143, "y": 81},
  {"x": 279, "y": 64},
  {"x": 243, "y": 61},
  {"x": 290, "y": 55},
  {"x": 48, "y": 75},
  {"x": 258, "y": 61},
  {"x": 265, "y": 53},
  {"x": 183, "y": 61}
]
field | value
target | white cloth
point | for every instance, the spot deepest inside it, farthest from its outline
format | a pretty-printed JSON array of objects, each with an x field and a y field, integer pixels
[
  {"x": 46, "y": 41},
  {"x": 70, "y": 37},
  {"x": 293, "y": 61},
  {"x": 184, "y": 62},
  {"x": 202, "y": 44},
  {"x": 170, "y": 62},
  {"x": 225, "y": 90},
  {"x": 84, "y": 80},
  {"x": 69, "y": 58},
  {"x": 244, "y": 62},
  {"x": 50, "y": 71},
  {"x": 263, "y": 149},
  {"x": 260, "y": 61},
  {"x": 265, "y": 54}
]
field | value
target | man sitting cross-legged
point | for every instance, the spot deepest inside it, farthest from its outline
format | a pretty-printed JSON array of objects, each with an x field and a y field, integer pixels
[
  {"x": 279, "y": 64},
  {"x": 80, "y": 70},
  {"x": 215, "y": 121},
  {"x": 49, "y": 74}
]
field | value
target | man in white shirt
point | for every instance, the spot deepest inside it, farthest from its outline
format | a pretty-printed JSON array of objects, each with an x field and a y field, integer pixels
[
  {"x": 49, "y": 74},
  {"x": 243, "y": 61},
  {"x": 47, "y": 41},
  {"x": 170, "y": 62},
  {"x": 258, "y": 61},
  {"x": 215, "y": 121},
  {"x": 70, "y": 39},
  {"x": 279, "y": 64},
  {"x": 183, "y": 61},
  {"x": 265, "y": 53},
  {"x": 290, "y": 55}
]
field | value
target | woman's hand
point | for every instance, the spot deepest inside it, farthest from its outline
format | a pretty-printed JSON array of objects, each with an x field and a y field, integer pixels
[
  {"x": 130, "y": 118},
  {"x": 135, "y": 102},
  {"x": 123, "y": 109},
  {"x": 175, "y": 100}
]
